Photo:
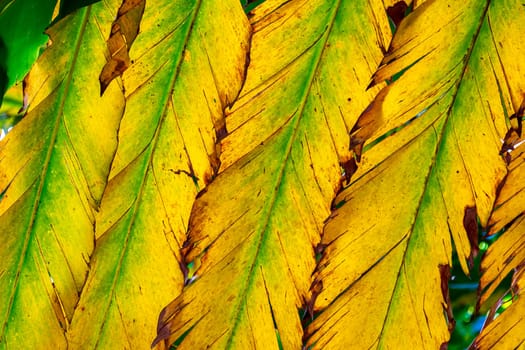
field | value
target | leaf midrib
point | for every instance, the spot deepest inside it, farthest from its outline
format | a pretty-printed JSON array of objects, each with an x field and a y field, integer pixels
[
  {"x": 59, "y": 117},
  {"x": 439, "y": 143},
  {"x": 152, "y": 147},
  {"x": 263, "y": 232}
]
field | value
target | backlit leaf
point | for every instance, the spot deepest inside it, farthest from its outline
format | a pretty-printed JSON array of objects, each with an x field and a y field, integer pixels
[
  {"x": 507, "y": 254},
  {"x": 430, "y": 171},
  {"x": 53, "y": 170},
  {"x": 255, "y": 227},
  {"x": 506, "y": 330},
  {"x": 188, "y": 66}
]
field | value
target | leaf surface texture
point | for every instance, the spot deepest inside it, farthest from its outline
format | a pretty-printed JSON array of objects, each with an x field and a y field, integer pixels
[
  {"x": 430, "y": 168},
  {"x": 255, "y": 227},
  {"x": 53, "y": 170},
  {"x": 507, "y": 255},
  {"x": 185, "y": 72}
]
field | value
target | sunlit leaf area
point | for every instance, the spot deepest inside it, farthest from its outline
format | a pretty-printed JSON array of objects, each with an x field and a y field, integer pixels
[{"x": 262, "y": 174}]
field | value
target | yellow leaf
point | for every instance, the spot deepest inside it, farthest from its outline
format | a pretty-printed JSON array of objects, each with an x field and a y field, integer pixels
[
  {"x": 507, "y": 254},
  {"x": 256, "y": 225},
  {"x": 53, "y": 170},
  {"x": 506, "y": 331},
  {"x": 511, "y": 197},
  {"x": 430, "y": 169},
  {"x": 174, "y": 107}
]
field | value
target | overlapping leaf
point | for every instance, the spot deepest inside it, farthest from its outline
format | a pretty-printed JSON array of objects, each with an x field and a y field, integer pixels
[
  {"x": 507, "y": 252},
  {"x": 508, "y": 329},
  {"x": 22, "y": 24},
  {"x": 506, "y": 255},
  {"x": 188, "y": 65},
  {"x": 259, "y": 221},
  {"x": 53, "y": 170},
  {"x": 435, "y": 173}
]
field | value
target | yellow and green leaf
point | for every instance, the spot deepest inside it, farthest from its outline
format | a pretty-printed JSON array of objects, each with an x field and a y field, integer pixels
[
  {"x": 430, "y": 168},
  {"x": 188, "y": 65},
  {"x": 53, "y": 170},
  {"x": 254, "y": 229}
]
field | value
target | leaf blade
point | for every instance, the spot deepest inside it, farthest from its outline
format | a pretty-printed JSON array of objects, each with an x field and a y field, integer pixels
[
  {"x": 439, "y": 94},
  {"x": 166, "y": 152},
  {"x": 258, "y": 222},
  {"x": 47, "y": 246}
]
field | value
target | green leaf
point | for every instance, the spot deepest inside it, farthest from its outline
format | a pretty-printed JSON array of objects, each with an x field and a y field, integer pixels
[
  {"x": 53, "y": 170},
  {"x": 22, "y": 25},
  {"x": 185, "y": 72}
]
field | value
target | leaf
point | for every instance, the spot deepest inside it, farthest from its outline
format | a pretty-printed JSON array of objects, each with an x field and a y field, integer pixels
[
  {"x": 22, "y": 25},
  {"x": 507, "y": 252},
  {"x": 511, "y": 196},
  {"x": 123, "y": 32},
  {"x": 185, "y": 72},
  {"x": 254, "y": 228},
  {"x": 12, "y": 109},
  {"x": 506, "y": 331},
  {"x": 506, "y": 255},
  {"x": 431, "y": 168},
  {"x": 53, "y": 169},
  {"x": 69, "y": 6}
]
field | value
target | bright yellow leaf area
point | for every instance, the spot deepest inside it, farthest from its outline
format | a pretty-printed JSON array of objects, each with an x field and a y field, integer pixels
[
  {"x": 388, "y": 247},
  {"x": 507, "y": 254},
  {"x": 316, "y": 172},
  {"x": 166, "y": 152},
  {"x": 258, "y": 222}
]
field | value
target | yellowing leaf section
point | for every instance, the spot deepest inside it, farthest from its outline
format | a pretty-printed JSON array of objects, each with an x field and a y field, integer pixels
[
  {"x": 506, "y": 255},
  {"x": 188, "y": 65},
  {"x": 431, "y": 169},
  {"x": 53, "y": 170},
  {"x": 508, "y": 252},
  {"x": 255, "y": 227}
]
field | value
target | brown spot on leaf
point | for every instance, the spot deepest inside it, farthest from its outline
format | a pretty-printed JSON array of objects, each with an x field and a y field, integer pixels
[
  {"x": 184, "y": 270},
  {"x": 124, "y": 30},
  {"x": 319, "y": 248},
  {"x": 444, "y": 272},
  {"x": 163, "y": 331},
  {"x": 397, "y": 12},
  {"x": 316, "y": 288},
  {"x": 470, "y": 223},
  {"x": 350, "y": 167},
  {"x": 221, "y": 133}
]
